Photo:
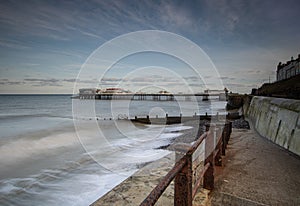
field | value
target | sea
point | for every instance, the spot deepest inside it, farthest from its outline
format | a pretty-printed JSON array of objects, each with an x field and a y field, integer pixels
[{"x": 57, "y": 150}]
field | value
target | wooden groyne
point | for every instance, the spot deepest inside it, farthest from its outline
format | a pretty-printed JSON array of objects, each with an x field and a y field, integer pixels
[{"x": 180, "y": 119}]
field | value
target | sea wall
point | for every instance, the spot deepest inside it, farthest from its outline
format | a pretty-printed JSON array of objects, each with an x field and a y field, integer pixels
[{"x": 276, "y": 119}]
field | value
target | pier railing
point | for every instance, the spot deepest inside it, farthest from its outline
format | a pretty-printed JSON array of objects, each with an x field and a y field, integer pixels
[{"x": 216, "y": 138}]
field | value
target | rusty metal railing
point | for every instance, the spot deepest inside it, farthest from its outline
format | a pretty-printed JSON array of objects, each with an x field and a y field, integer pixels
[{"x": 216, "y": 139}]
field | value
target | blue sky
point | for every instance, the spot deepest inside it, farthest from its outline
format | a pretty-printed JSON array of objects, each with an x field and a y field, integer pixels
[{"x": 44, "y": 43}]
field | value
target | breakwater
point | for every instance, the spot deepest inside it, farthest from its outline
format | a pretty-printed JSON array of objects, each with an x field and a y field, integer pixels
[
  {"x": 276, "y": 119},
  {"x": 180, "y": 119}
]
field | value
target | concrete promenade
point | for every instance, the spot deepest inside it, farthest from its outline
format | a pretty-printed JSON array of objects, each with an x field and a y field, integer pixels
[{"x": 256, "y": 172}]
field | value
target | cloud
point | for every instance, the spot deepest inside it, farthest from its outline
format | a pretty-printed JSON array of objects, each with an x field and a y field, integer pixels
[
  {"x": 65, "y": 53},
  {"x": 69, "y": 80},
  {"x": 191, "y": 78},
  {"x": 37, "y": 82},
  {"x": 12, "y": 44},
  {"x": 5, "y": 82},
  {"x": 43, "y": 82},
  {"x": 111, "y": 79},
  {"x": 228, "y": 78}
]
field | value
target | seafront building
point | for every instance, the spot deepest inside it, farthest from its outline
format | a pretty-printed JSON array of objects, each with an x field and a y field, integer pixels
[
  {"x": 287, "y": 84},
  {"x": 288, "y": 69}
]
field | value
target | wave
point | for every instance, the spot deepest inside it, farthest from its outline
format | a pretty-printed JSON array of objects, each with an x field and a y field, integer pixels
[
  {"x": 78, "y": 179},
  {"x": 75, "y": 184},
  {"x": 23, "y": 116}
]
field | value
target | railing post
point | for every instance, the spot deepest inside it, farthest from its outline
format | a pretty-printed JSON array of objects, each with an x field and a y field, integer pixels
[
  {"x": 183, "y": 185},
  {"x": 218, "y": 147},
  {"x": 228, "y": 131},
  {"x": 224, "y": 142},
  {"x": 208, "y": 177}
]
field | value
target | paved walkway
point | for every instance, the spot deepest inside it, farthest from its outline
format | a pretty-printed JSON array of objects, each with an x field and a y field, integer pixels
[{"x": 256, "y": 172}]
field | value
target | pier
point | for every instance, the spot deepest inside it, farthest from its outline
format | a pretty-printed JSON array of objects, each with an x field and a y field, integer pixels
[{"x": 153, "y": 96}]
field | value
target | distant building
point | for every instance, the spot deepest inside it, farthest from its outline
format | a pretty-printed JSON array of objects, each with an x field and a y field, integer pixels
[
  {"x": 289, "y": 69},
  {"x": 115, "y": 91},
  {"x": 163, "y": 92},
  {"x": 287, "y": 84},
  {"x": 88, "y": 91}
]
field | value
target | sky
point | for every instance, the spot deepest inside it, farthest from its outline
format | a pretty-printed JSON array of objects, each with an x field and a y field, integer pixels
[{"x": 44, "y": 44}]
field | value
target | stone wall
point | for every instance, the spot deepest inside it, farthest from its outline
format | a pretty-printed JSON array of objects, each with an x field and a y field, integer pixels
[{"x": 277, "y": 119}]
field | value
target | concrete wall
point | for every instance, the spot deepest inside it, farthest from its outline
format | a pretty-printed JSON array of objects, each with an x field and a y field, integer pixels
[{"x": 278, "y": 120}]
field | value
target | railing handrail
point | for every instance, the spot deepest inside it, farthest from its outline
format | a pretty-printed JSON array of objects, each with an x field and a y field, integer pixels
[
  {"x": 197, "y": 143},
  {"x": 185, "y": 164},
  {"x": 164, "y": 183}
]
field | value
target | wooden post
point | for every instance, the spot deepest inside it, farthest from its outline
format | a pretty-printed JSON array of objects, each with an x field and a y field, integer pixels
[
  {"x": 228, "y": 131},
  {"x": 208, "y": 177},
  {"x": 183, "y": 184},
  {"x": 207, "y": 126},
  {"x": 218, "y": 147},
  {"x": 224, "y": 142}
]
